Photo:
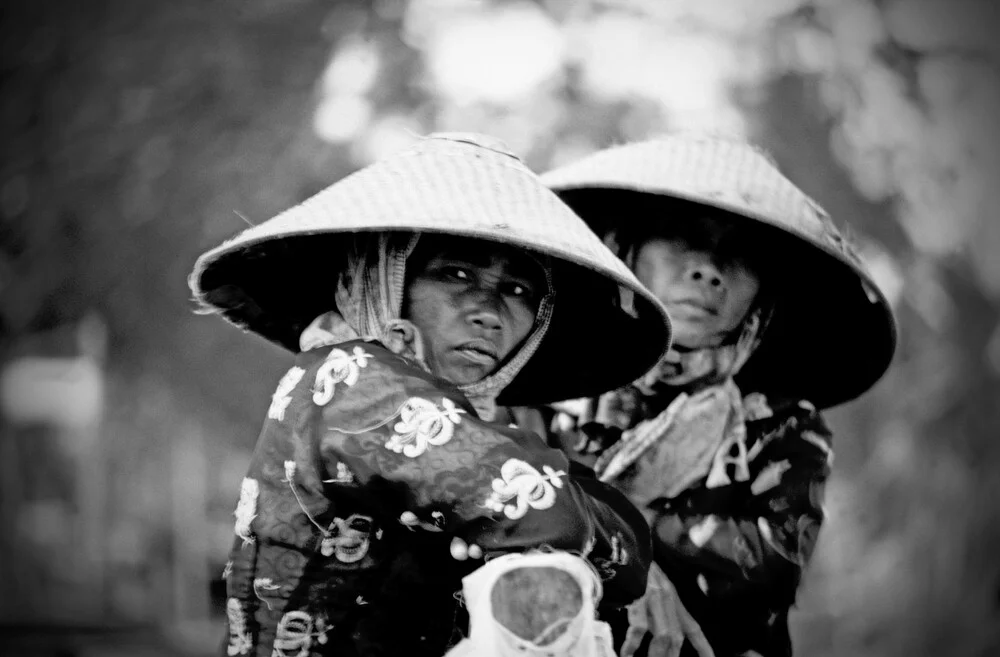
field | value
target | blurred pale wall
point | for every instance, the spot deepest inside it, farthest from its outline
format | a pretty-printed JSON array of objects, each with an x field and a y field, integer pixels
[{"x": 137, "y": 134}]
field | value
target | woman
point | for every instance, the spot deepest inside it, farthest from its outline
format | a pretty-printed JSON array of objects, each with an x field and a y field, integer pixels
[
  {"x": 419, "y": 291},
  {"x": 722, "y": 445}
]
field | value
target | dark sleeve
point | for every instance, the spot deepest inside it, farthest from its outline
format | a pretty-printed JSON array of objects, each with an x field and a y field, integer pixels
[
  {"x": 761, "y": 531},
  {"x": 628, "y": 583},
  {"x": 420, "y": 444}
]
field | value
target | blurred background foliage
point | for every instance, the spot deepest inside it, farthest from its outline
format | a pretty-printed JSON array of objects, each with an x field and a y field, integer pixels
[{"x": 137, "y": 134}]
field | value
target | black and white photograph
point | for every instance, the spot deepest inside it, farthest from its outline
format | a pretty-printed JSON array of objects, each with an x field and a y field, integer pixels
[{"x": 489, "y": 328}]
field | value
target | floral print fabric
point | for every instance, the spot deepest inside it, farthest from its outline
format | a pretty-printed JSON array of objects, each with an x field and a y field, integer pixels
[{"x": 365, "y": 470}]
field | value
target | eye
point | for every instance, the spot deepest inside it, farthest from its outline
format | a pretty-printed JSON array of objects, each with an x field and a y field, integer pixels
[
  {"x": 519, "y": 289},
  {"x": 456, "y": 273}
]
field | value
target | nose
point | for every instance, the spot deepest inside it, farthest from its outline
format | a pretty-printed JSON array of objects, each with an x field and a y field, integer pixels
[
  {"x": 485, "y": 318},
  {"x": 483, "y": 303},
  {"x": 706, "y": 274}
]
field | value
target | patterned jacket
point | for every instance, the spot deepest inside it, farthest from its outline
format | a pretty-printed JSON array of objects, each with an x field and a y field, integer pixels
[
  {"x": 365, "y": 470},
  {"x": 736, "y": 552}
]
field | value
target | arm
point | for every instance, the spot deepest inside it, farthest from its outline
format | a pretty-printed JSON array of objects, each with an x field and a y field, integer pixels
[
  {"x": 420, "y": 445},
  {"x": 761, "y": 531},
  {"x": 629, "y": 579}
]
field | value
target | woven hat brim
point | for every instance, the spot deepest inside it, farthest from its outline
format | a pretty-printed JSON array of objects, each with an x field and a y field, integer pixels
[
  {"x": 275, "y": 288},
  {"x": 274, "y": 278},
  {"x": 834, "y": 334}
]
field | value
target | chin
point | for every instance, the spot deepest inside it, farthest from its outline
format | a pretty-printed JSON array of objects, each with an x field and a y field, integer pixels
[
  {"x": 695, "y": 334},
  {"x": 461, "y": 376},
  {"x": 690, "y": 328}
]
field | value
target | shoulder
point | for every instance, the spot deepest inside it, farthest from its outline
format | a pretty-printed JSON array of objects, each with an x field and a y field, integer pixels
[
  {"x": 785, "y": 423},
  {"x": 359, "y": 351},
  {"x": 359, "y": 359},
  {"x": 353, "y": 375},
  {"x": 791, "y": 412}
]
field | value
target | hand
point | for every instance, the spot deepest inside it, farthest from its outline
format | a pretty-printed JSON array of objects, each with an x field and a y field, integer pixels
[
  {"x": 460, "y": 550},
  {"x": 660, "y": 612}
]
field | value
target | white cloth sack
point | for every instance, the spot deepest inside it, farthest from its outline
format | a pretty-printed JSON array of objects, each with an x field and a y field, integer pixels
[{"x": 585, "y": 636}]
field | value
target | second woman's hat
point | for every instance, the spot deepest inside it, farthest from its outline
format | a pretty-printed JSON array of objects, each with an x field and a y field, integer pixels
[{"x": 833, "y": 333}]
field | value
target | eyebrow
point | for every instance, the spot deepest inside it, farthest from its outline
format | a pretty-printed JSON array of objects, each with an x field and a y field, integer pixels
[
  {"x": 475, "y": 257},
  {"x": 524, "y": 266}
]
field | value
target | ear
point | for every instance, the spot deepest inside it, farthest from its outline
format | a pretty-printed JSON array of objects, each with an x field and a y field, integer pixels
[{"x": 403, "y": 338}]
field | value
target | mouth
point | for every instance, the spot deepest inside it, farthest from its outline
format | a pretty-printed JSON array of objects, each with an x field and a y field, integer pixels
[
  {"x": 482, "y": 352},
  {"x": 352, "y": 551},
  {"x": 693, "y": 307}
]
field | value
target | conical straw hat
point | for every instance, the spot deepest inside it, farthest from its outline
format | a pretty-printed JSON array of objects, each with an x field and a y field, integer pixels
[
  {"x": 833, "y": 334},
  {"x": 276, "y": 277}
]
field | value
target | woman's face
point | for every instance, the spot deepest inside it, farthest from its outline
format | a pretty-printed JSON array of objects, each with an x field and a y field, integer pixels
[
  {"x": 701, "y": 272},
  {"x": 474, "y": 302}
]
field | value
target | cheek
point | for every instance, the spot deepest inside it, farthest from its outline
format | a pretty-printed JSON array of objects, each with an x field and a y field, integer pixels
[
  {"x": 658, "y": 265},
  {"x": 424, "y": 307},
  {"x": 743, "y": 289},
  {"x": 658, "y": 276},
  {"x": 522, "y": 318}
]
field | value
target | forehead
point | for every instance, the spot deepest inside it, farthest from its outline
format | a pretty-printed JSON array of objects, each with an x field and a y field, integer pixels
[
  {"x": 477, "y": 253},
  {"x": 702, "y": 225},
  {"x": 726, "y": 237}
]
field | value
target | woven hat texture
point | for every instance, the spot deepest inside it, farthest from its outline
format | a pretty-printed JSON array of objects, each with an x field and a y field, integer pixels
[
  {"x": 833, "y": 335},
  {"x": 274, "y": 278}
]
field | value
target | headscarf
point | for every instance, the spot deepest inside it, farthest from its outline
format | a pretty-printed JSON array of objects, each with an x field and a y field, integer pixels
[
  {"x": 695, "y": 436},
  {"x": 369, "y": 305}
]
